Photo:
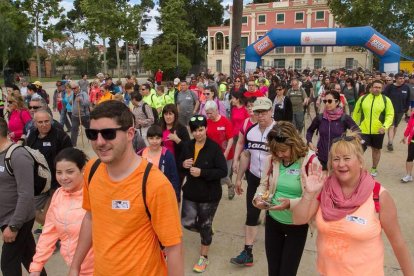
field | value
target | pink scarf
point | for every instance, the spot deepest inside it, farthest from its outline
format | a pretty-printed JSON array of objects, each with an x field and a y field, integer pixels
[
  {"x": 333, "y": 204},
  {"x": 332, "y": 115}
]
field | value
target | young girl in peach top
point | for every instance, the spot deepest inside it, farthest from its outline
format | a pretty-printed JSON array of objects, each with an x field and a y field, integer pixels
[{"x": 65, "y": 214}]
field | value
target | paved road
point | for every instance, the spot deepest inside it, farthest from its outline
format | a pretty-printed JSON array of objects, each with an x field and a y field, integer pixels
[{"x": 228, "y": 224}]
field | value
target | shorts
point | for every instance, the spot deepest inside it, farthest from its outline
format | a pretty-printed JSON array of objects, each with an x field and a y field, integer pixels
[
  {"x": 373, "y": 140},
  {"x": 397, "y": 119},
  {"x": 40, "y": 200}
]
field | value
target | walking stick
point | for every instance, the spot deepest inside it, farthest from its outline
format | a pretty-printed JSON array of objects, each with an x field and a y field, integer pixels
[{"x": 80, "y": 125}]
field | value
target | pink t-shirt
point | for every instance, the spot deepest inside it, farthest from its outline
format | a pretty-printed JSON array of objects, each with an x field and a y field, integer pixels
[
  {"x": 238, "y": 115},
  {"x": 220, "y": 132},
  {"x": 169, "y": 144}
]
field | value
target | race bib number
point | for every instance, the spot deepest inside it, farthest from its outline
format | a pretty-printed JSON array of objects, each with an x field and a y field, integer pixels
[
  {"x": 356, "y": 219},
  {"x": 120, "y": 204},
  {"x": 47, "y": 144}
]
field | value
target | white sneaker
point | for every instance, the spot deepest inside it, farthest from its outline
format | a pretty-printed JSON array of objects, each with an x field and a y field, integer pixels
[{"x": 407, "y": 178}]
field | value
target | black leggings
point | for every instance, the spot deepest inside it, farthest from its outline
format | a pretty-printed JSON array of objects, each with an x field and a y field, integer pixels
[
  {"x": 410, "y": 156},
  {"x": 253, "y": 213},
  {"x": 284, "y": 246}
]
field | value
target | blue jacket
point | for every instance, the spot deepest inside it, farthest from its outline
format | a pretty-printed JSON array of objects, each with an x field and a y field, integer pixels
[{"x": 329, "y": 130}]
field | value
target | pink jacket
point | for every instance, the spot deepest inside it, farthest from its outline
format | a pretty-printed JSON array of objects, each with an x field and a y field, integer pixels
[
  {"x": 17, "y": 121},
  {"x": 409, "y": 130},
  {"x": 63, "y": 222}
]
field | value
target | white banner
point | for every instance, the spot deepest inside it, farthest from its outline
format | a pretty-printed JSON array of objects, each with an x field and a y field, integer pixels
[
  {"x": 318, "y": 38},
  {"x": 250, "y": 66}
]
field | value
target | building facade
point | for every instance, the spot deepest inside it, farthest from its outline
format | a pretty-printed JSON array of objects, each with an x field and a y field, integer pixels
[{"x": 258, "y": 19}]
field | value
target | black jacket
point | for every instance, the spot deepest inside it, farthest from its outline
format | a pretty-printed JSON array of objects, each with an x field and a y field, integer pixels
[
  {"x": 211, "y": 161},
  {"x": 50, "y": 146},
  {"x": 285, "y": 113}
]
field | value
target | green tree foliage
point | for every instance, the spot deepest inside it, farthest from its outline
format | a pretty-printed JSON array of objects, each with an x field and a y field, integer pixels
[
  {"x": 164, "y": 56},
  {"x": 392, "y": 18},
  {"x": 15, "y": 29}
]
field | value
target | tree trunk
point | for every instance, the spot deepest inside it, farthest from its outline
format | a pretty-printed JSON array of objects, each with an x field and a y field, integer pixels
[
  {"x": 236, "y": 37},
  {"x": 104, "y": 54},
  {"x": 39, "y": 70},
  {"x": 127, "y": 57},
  {"x": 118, "y": 60}
]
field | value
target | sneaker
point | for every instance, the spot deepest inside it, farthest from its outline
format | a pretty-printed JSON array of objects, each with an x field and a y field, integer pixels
[
  {"x": 231, "y": 192},
  {"x": 407, "y": 178},
  {"x": 244, "y": 259},
  {"x": 374, "y": 172},
  {"x": 201, "y": 265},
  {"x": 390, "y": 147}
]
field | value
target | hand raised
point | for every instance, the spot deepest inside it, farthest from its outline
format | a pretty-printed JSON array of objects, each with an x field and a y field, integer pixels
[{"x": 315, "y": 178}]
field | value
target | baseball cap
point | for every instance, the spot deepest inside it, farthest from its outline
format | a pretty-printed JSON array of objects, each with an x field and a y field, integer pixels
[
  {"x": 262, "y": 103},
  {"x": 100, "y": 75},
  {"x": 176, "y": 81},
  {"x": 37, "y": 83}
]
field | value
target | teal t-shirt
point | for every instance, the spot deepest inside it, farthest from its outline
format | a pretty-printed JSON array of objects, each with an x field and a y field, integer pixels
[{"x": 288, "y": 186}]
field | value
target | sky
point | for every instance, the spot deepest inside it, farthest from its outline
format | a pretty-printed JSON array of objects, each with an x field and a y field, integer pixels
[{"x": 152, "y": 27}]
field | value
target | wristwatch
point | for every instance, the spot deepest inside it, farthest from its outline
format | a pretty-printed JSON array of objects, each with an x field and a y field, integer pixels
[{"x": 14, "y": 228}]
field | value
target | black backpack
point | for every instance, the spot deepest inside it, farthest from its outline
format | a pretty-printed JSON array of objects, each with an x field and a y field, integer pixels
[{"x": 41, "y": 173}]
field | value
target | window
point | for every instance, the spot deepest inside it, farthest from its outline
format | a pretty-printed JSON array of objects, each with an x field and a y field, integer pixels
[
  {"x": 299, "y": 17},
  {"x": 279, "y": 63},
  {"x": 317, "y": 63},
  {"x": 212, "y": 43},
  {"x": 261, "y": 19},
  {"x": 280, "y": 18},
  {"x": 219, "y": 41},
  {"x": 218, "y": 65},
  {"x": 349, "y": 63},
  {"x": 280, "y": 50},
  {"x": 318, "y": 49},
  {"x": 226, "y": 42},
  {"x": 298, "y": 49},
  {"x": 243, "y": 64},
  {"x": 244, "y": 20},
  {"x": 244, "y": 42},
  {"x": 298, "y": 63},
  {"x": 320, "y": 15}
]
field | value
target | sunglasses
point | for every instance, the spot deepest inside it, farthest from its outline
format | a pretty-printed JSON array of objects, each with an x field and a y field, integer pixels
[
  {"x": 329, "y": 101},
  {"x": 206, "y": 94},
  {"x": 343, "y": 138},
  {"x": 277, "y": 136},
  {"x": 279, "y": 89},
  {"x": 237, "y": 81},
  {"x": 198, "y": 118},
  {"x": 34, "y": 107},
  {"x": 10, "y": 102},
  {"x": 107, "y": 133}
]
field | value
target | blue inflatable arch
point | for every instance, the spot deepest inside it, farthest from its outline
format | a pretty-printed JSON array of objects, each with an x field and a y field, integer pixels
[{"x": 388, "y": 52}]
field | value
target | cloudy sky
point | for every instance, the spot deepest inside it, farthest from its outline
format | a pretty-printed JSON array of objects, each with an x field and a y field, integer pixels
[{"x": 152, "y": 28}]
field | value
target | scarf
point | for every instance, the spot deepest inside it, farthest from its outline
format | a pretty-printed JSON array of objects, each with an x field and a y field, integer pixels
[
  {"x": 333, "y": 115},
  {"x": 335, "y": 206}
]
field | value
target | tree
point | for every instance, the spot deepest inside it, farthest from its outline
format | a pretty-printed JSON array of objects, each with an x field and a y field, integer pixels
[
  {"x": 14, "y": 33},
  {"x": 394, "y": 19},
  {"x": 236, "y": 36},
  {"x": 40, "y": 13}
]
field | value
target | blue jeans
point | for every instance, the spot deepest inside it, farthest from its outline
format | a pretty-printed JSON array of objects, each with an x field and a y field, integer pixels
[{"x": 298, "y": 118}]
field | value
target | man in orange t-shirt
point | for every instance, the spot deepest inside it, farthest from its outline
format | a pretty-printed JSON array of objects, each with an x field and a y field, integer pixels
[{"x": 124, "y": 238}]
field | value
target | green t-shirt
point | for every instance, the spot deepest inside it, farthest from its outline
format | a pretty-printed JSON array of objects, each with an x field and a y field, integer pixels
[{"x": 288, "y": 186}]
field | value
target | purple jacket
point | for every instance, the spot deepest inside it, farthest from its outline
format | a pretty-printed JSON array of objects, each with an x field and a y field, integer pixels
[{"x": 329, "y": 131}]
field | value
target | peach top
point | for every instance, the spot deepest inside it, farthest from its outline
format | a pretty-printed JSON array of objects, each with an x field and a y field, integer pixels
[{"x": 352, "y": 245}]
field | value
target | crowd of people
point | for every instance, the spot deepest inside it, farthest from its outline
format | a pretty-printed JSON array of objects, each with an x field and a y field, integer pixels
[{"x": 165, "y": 149}]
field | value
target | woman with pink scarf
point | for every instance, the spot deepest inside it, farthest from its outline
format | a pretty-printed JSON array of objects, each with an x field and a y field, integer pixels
[
  {"x": 332, "y": 123},
  {"x": 350, "y": 209}
]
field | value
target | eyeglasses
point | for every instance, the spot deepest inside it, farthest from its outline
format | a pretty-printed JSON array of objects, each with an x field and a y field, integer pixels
[
  {"x": 343, "y": 138},
  {"x": 279, "y": 89},
  {"x": 206, "y": 94},
  {"x": 107, "y": 133},
  {"x": 34, "y": 107},
  {"x": 260, "y": 112},
  {"x": 329, "y": 101},
  {"x": 198, "y": 118},
  {"x": 277, "y": 136}
]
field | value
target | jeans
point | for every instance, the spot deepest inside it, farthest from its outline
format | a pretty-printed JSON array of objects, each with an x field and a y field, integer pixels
[
  {"x": 19, "y": 252},
  {"x": 65, "y": 118},
  {"x": 75, "y": 127},
  {"x": 298, "y": 118}
]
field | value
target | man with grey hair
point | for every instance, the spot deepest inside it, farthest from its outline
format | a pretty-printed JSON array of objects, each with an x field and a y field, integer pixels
[
  {"x": 80, "y": 111},
  {"x": 49, "y": 140}
]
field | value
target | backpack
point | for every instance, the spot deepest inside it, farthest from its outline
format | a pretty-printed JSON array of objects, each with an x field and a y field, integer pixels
[
  {"x": 154, "y": 112},
  {"x": 41, "y": 173},
  {"x": 382, "y": 115}
]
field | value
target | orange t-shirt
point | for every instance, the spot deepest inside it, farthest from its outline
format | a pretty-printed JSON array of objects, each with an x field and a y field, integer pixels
[
  {"x": 124, "y": 239},
  {"x": 155, "y": 160},
  {"x": 352, "y": 245}
]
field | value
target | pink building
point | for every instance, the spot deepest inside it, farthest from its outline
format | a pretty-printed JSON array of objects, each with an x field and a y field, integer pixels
[{"x": 285, "y": 14}]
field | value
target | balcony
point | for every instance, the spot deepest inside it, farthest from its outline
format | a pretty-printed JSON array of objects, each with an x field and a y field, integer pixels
[{"x": 296, "y": 3}]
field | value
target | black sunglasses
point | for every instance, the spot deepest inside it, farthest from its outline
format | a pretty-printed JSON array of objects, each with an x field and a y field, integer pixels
[
  {"x": 107, "y": 133},
  {"x": 329, "y": 101},
  {"x": 34, "y": 107},
  {"x": 277, "y": 136},
  {"x": 343, "y": 138}
]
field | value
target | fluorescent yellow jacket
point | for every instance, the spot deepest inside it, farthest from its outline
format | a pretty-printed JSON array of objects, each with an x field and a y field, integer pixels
[{"x": 372, "y": 107}]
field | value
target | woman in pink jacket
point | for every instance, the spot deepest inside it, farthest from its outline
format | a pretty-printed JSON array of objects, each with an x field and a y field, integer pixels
[
  {"x": 18, "y": 116},
  {"x": 65, "y": 214}
]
